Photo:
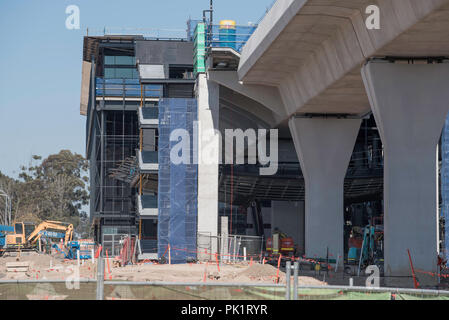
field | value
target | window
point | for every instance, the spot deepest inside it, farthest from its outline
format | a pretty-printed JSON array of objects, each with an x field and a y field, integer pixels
[
  {"x": 109, "y": 60},
  {"x": 120, "y": 67},
  {"x": 120, "y": 60},
  {"x": 18, "y": 228},
  {"x": 123, "y": 73},
  {"x": 120, "y": 73},
  {"x": 124, "y": 60},
  {"x": 181, "y": 72},
  {"x": 109, "y": 73}
]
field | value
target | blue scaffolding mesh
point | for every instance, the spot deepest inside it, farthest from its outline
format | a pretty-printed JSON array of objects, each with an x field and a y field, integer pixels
[
  {"x": 177, "y": 183},
  {"x": 445, "y": 184}
]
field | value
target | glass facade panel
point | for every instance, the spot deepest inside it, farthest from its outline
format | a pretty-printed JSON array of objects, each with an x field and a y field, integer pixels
[
  {"x": 124, "y": 60},
  {"x": 120, "y": 73},
  {"x": 123, "y": 73},
  {"x": 120, "y": 60},
  {"x": 109, "y": 60},
  {"x": 109, "y": 73}
]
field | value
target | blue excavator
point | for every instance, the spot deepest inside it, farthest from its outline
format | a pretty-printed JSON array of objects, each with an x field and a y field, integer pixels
[{"x": 71, "y": 251}]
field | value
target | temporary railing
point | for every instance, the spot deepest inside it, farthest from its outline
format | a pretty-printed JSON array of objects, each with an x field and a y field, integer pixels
[{"x": 235, "y": 38}]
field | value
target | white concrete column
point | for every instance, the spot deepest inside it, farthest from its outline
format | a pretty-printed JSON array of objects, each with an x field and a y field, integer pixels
[
  {"x": 324, "y": 148},
  {"x": 410, "y": 103},
  {"x": 208, "y": 140}
]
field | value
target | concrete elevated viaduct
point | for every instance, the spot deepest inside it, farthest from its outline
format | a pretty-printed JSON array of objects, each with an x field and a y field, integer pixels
[{"x": 314, "y": 67}]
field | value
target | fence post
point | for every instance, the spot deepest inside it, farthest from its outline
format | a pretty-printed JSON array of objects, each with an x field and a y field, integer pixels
[
  {"x": 169, "y": 254},
  {"x": 288, "y": 271},
  {"x": 238, "y": 248},
  {"x": 295, "y": 280},
  {"x": 221, "y": 248},
  {"x": 100, "y": 278},
  {"x": 235, "y": 248}
]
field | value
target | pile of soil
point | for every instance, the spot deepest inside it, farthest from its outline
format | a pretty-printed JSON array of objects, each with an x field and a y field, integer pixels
[{"x": 255, "y": 273}]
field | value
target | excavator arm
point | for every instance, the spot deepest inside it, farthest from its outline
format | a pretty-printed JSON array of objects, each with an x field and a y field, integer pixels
[{"x": 51, "y": 225}]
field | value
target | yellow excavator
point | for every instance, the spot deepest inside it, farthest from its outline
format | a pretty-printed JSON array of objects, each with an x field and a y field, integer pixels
[{"x": 26, "y": 235}]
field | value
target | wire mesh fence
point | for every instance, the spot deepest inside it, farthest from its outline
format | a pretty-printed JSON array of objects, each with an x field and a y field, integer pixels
[
  {"x": 47, "y": 290},
  {"x": 116, "y": 290},
  {"x": 229, "y": 248},
  {"x": 192, "y": 291}
]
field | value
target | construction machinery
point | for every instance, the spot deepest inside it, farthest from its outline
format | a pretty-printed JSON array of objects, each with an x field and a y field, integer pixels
[
  {"x": 72, "y": 249},
  {"x": 4, "y": 230},
  {"x": 280, "y": 243},
  {"x": 27, "y": 236},
  {"x": 368, "y": 249}
]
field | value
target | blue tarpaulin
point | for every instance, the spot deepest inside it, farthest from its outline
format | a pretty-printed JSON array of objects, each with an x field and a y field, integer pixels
[{"x": 177, "y": 190}]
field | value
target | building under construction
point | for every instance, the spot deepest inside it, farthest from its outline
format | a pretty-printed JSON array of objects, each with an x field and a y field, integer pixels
[
  {"x": 137, "y": 91},
  {"x": 123, "y": 86}
]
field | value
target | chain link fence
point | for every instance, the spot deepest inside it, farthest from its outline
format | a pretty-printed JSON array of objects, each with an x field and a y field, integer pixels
[{"x": 229, "y": 248}]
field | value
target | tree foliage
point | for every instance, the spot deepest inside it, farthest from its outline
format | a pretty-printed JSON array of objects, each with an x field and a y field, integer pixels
[{"x": 55, "y": 188}]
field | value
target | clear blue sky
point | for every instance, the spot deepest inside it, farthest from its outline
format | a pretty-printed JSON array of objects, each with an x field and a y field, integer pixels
[{"x": 40, "y": 64}]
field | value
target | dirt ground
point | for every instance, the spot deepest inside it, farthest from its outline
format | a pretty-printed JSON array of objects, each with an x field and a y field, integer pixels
[
  {"x": 238, "y": 273},
  {"x": 54, "y": 267},
  {"x": 45, "y": 267}
]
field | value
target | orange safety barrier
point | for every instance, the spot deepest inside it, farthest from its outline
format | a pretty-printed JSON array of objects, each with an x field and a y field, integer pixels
[
  {"x": 97, "y": 254},
  {"x": 279, "y": 265},
  {"x": 109, "y": 268},
  {"x": 416, "y": 283},
  {"x": 218, "y": 264},
  {"x": 433, "y": 274}
]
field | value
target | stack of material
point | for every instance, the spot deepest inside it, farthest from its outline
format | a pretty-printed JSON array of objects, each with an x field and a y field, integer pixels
[{"x": 17, "y": 266}]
